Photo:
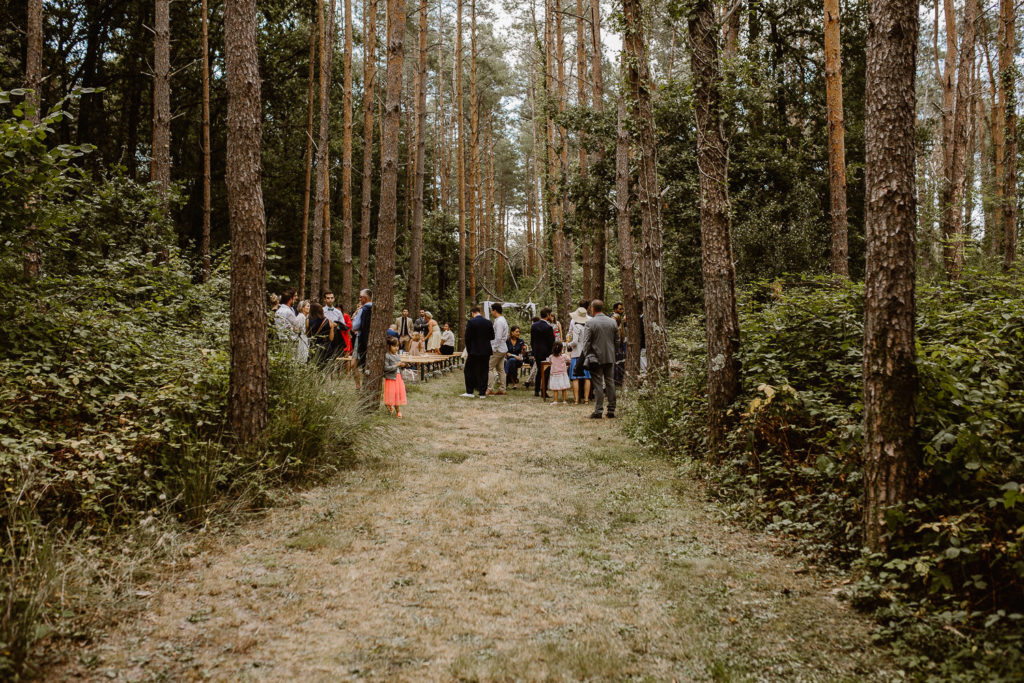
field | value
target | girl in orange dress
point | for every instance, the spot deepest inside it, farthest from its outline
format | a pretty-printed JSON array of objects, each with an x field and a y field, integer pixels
[{"x": 394, "y": 386}]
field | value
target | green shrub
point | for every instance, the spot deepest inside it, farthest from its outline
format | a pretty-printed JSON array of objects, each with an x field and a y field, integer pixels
[
  {"x": 955, "y": 564},
  {"x": 114, "y": 371}
]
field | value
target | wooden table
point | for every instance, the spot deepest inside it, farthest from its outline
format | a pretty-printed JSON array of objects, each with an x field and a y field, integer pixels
[{"x": 433, "y": 362}]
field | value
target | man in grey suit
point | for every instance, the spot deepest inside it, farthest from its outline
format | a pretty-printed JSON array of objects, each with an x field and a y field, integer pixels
[{"x": 599, "y": 357}]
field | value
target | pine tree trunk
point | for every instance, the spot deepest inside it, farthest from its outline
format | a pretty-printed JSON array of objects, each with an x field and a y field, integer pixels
[
  {"x": 599, "y": 249},
  {"x": 836, "y": 140},
  {"x": 460, "y": 165},
  {"x": 952, "y": 199},
  {"x": 997, "y": 242},
  {"x": 160, "y": 168},
  {"x": 1007, "y": 82},
  {"x": 719, "y": 275},
  {"x": 325, "y": 103},
  {"x": 473, "y": 196},
  {"x": 627, "y": 250},
  {"x": 316, "y": 288},
  {"x": 31, "y": 260},
  {"x": 890, "y": 374},
  {"x": 247, "y": 398},
  {"x": 205, "y": 246},
  {"x": 34, "y": 58},
  {"x": 346, "y": 166},
  {"x": 587, "y": 227},
  {"x": 412, "y": 299},
  {"x": 387, "y": 226},
  {"x": 313, "y": 24},
  {"x": 563, "y": 297},
  {"x": 369, "y": 79},
  {"x": 639, "y": 79}
]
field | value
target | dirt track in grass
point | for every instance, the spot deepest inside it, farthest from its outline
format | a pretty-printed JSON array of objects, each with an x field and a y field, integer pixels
[{"x": 496, "y": 539}]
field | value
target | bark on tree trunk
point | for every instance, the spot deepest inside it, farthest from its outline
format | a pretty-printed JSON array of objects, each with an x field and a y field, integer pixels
[
  {"x": 473, "y": 196},
  {"x": 313, "y": 24},
  {"x": 412, "y": 299},
  {"x": 599, "y": 249},
  {"x": 160, "y": 164},
  {"x": 627, "y": 250},
  {"x": 836, "y": 140},
  {"x": 247, "y": 399},
  {"x": 34, "y": 58},
  {"x": 1007, "y": 81},
  {"x": 325, "y": 262},
  {"x": 951, "y": 203},
  {"x": 387, "y": 226},
  {"x": 460, "y": 165},
  {"x": 586, "y": 227},
  {"x": 639, "y": 78},
  {"x": 321, "y": 214},
  {"x": 369, "y": 79},
  {"x": 723, "y": 331},
  {"x": 890, "y": 373},
  {"x": 205, "y": 248},
  {"x": 346, "y": 166}
]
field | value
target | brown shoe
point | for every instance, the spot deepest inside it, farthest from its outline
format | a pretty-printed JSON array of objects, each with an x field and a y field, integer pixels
[{"x": 490, "y": 393}]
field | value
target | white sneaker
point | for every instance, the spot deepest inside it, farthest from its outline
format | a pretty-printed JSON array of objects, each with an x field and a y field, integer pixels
[
  {"x": 481, "y": 396},
  {"x": 465, "y": 395}
]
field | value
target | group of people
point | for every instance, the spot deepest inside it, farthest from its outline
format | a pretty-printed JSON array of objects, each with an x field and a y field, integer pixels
[
  {"x": 324, "y": 333},
  {"x": 422, "y": 335},
  {"x": 587, "y": 357}
]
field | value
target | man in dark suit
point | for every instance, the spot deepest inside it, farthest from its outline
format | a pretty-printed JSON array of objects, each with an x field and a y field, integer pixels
[
  {"x": 599, "y": 357},
  {"x": 479, "y": 333},
  {"x": 542, "y": 340}
]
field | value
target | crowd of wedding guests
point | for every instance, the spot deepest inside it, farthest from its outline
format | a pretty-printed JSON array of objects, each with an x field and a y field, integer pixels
[
  {"x": 325, "y": 332},
  {"x": 587, "y": 359}
]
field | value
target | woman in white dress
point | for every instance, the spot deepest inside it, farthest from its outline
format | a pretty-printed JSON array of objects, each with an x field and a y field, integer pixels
[
  {"x": 302, "y": 346},
  {"x": 433, "y": 334}
]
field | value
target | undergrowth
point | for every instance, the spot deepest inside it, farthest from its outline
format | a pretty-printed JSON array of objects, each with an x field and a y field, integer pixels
[
  {"x": 949, "y": 592},
  {"x": 114, "y": 370}
]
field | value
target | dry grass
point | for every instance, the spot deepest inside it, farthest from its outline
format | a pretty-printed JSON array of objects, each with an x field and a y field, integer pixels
[{"x": 498, "y": 540}]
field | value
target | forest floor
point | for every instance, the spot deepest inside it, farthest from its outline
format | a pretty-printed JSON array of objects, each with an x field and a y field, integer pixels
[{"x": 496, "y": 539}]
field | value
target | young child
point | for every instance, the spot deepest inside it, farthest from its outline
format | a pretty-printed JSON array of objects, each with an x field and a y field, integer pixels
[
  {"x": 394, "y": 386},
  {"x": 559, "y": 379},
  {"x": 419, "y": 347}
]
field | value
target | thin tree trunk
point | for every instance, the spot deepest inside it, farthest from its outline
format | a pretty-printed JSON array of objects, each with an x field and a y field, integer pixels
[
  {"x": 600, "y": 248},
  {"x": 369, "y": 78},
  {"x": 31, "y": 260},
  {"x": 325, "y": 173},
  {"x": 460, "y": 167},
  {"x": 316, "y": 288},
  {"x": 474, "y": 155},
  {"x": 587, "y": 227},
  {"x": 205, "y": 248},
  {"x": 836, "y": 141},
  {"x": 1007, "y": 83},
  {"x": 387, "y": 226},
  {"x": 313, "y": 24},
  {"x": 247, "y": 397},
  {"x": 639, "y": 78},
  {"x": 951, "y": 203},
  {"x": 564, "y": 295},
  {"x": 627, "y": 250},
  {"x": 719, "y": 275},
  {"x": 160, "y": 164},
  {"x": 412, "y": 299},
  {"x": 890, "y": 373},
  {"x": 346, "y": 166},
  {"x": 34, "y": 58},
  {"x": 997, "y": 245}
]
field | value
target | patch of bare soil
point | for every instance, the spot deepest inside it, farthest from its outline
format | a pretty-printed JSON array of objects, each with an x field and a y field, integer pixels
[{"x": 496, "y": 540}]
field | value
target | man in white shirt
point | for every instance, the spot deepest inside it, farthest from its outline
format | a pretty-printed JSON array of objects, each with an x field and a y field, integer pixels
[
  {"x": 288, "y": 325},
  {"x": 499, "y": 347},
  {"x": 336, "y": 316}
]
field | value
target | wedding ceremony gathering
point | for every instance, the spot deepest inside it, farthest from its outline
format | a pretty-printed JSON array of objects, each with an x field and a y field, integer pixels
[{"x": 474, "y": 340}]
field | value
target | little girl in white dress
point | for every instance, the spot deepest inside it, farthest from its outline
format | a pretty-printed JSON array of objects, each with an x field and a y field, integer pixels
[{"x": 558, "y": 383}]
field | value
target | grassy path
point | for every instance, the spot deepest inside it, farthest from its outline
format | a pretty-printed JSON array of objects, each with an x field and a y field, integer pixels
[{"x": 497, "y": 539}]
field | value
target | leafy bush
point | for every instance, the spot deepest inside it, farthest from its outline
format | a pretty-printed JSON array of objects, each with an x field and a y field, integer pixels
[
  {"x": 115, "y": 372},
  {"x": 953, "y": 577}
]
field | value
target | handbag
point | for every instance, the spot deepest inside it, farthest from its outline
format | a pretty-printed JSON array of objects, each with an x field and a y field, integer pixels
[{"x": 591, "y": 363}]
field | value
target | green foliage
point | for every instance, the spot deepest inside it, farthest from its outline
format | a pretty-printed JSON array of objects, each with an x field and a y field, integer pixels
[
  {"x": 115, "y": 370},
  {"x": 952, "y": 579}
]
